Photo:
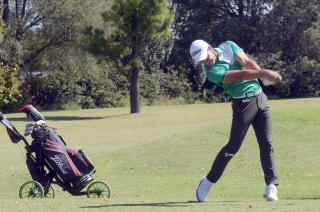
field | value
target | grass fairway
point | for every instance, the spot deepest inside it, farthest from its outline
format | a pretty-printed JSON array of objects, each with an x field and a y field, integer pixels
[{"x": 154, "y": 160}]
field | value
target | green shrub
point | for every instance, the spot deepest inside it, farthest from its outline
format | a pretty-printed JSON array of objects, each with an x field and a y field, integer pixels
[
  {"x": 9, "y": 85},
  {"x": 64, "y": 90},
  {"x": 101, "y": 91},
  {"x": 53, "y": 91},
  {"x": 158, "y": 85}
]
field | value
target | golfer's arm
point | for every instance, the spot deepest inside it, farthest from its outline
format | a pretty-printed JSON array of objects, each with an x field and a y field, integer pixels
[
  {"x": 253, "y": 70},
  {"x": 246, "y": 61},
  {"x": 247, "y": 74}
]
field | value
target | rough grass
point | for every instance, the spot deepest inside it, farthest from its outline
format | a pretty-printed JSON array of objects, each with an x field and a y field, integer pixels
[{"x": 154, "y": 160}]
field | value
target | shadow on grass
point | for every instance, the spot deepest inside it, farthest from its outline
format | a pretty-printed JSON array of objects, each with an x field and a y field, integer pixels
[
  {"x": 303, "y": 198},
  {"x": 148, "y": 204},
  {"x": 69, "y": 118},
  {"x": 152, "y": 204}
]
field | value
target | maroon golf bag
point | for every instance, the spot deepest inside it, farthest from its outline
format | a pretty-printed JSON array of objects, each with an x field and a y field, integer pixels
[
  {"x": 68, "y": 164},
  {"x": 49, "y": 161}
]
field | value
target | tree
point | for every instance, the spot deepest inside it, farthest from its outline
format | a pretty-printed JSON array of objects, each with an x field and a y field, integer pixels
[
  {"x": 134, "y": 27},
  {"x": 9, "y": 82},
  {"x": 5, "y": 14},
  {"x": 38, "y": 28}
]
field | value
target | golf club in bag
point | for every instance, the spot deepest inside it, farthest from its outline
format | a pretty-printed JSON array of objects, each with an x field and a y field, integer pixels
[{"x": 50, "y": 161}]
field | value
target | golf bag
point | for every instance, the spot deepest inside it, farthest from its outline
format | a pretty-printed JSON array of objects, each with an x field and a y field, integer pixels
[
  {"x": 49, "y": 146},
  {"x": 70, "y": 166},
  {"x": 50, "y": 161}
]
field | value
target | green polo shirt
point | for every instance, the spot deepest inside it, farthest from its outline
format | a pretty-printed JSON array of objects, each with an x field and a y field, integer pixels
[{"x": 226, "y": 61}]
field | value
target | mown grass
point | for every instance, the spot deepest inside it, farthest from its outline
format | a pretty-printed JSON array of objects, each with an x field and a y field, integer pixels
[{"x": 154, "y": 160}]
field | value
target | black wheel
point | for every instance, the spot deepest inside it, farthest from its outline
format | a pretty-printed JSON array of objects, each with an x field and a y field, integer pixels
[
  {"x": 98, "y": 189},
  {"x": 31, "y": 189},
  {"x": 50, "y": 193}
]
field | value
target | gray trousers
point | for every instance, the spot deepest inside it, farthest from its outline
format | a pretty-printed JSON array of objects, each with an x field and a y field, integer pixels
[{"x": 247, "y": 111}]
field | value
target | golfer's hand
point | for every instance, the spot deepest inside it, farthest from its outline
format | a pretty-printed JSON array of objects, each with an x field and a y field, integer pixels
[{"x": 273, "y": 76}]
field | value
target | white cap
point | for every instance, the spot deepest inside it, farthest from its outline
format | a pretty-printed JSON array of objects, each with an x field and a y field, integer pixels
[{"x": 199, "y": 50}]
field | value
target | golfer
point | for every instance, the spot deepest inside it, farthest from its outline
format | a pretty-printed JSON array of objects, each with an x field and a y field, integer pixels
[{"x": 231, "y": 68}]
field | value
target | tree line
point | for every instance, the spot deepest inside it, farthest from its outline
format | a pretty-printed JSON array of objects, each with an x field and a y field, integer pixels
[{"x": 104, "y": 53}]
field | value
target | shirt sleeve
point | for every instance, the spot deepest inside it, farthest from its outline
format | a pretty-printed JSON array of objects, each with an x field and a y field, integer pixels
[
  {"x": 216, "y": 74},
  {"x": 235, "y": 48}
]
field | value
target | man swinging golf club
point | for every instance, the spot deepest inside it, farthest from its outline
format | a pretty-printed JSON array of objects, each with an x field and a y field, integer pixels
[{"x": 231, "y": 68}]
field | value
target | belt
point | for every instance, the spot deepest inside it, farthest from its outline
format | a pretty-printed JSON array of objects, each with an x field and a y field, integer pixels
[{"x": 248, "y": 94}]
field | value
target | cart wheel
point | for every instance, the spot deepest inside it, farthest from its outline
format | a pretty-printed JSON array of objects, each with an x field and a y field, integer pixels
[
  {"x": 98, "y": 189},
  {"x": 31, "y": 189},
  {"x": 50, "y": 193}
]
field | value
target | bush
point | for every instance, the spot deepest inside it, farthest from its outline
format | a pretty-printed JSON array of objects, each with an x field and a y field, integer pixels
[
  {"x": 159, "y": 85},
  {"x": 305, "y": 78},
  {"x": 64, "y": 90},
  {"x": 53, "y": 91},
  {"x": 301, "y": 78},
  {"x": 99, "y": 90},
  {"x": 9, "y": 85}
]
